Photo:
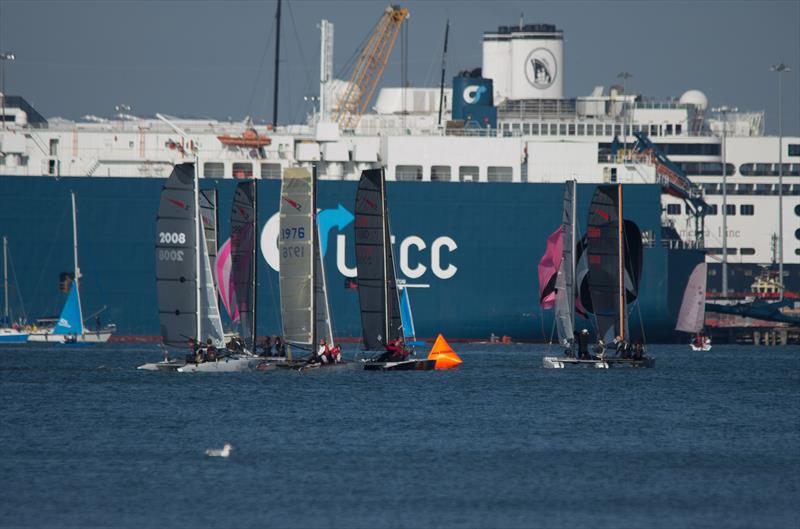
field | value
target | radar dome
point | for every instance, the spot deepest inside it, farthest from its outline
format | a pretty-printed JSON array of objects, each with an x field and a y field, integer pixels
[{"x": 696, "y": 98}]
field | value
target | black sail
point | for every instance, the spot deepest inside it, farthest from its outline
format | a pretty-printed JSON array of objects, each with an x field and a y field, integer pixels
[
  {"x": 243, "y": 228},
  {"x": 176, "y": 265},
  {"x": 602, "y": 250},
  {"x": 634, "y": 259},
  {"x": 377, "y": 289}
]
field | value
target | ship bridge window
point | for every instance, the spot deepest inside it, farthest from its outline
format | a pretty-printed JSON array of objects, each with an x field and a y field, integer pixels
[
  {"x": 730, "y": 209},
  {"x": 53, "y": 147},
  {"x": 794, "y": 149},
  {"x": 654, "y": 130},
  {"x": 500, "y": 174},
  {"x": 581, "y": 129},
  {"x": 271, "y": 171},
  {"x": 766, "y": 169},
  {"x": 763, "y": 189},
  {"x": 440, "y": 173},
  {"x": 678, "y": 129},
  {"x": 243, "y": 170},
  {"x": 468, "y": 173},
  {"x": 562, "y": 129},
  {"x": 535, "y": 129},
  {"x": 553, "y": 129},
  {"x": 747, "y": 251},
  {"x": 408, "y": 172},
  {"x": 214, "y": 170},
  {"x": 526, "y": 128},
  {"x": 608, "y": 130},
  {"x": 673, "y": 209},
  {"x": 668, "y": 129},
  {"x": 617, "y": 130},
  {"x": 713, "y": 209},
  {"x": 571, "y": 129},
  {"x": 707, "y": 168},
  {"x": 747, "y": 209}
]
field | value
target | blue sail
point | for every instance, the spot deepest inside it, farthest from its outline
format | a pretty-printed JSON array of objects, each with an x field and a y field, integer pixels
[
  {"x": 409, "y": 333},
  {"x": 70, "y": 320}
]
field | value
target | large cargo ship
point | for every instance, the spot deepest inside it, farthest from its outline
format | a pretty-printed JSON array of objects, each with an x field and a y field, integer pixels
[{"x": 472, "y": 200}]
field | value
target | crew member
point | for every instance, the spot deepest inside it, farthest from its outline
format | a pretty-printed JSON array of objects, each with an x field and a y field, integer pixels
[
  {"x": 583, "y": 344},
  {"x": 211, "y": 351}
]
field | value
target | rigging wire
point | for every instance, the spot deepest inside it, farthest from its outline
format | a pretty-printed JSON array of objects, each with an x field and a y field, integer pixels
[
  {"x": 16, "y": 286},
  {"x": 260, "y": 68},
  {"x": 52, "y": 244},
  {"x": 299, "y": 106}
]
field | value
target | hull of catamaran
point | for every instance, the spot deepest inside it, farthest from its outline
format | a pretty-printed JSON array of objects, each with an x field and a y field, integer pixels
[
  {"x": 228, "y": 364},
  {"x": 171, "y": 365},
  {"x": 555, "y": 362}
]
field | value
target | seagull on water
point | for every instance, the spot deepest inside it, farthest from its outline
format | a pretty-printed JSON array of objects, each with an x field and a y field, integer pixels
[{"x": 225, "y": 451}]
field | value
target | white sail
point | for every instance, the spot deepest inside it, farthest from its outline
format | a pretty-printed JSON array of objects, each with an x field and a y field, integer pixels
[
  {"x": 692, "y": 314},
  {"x": 565, "y": 280},
  {"x": 296, "y": 248},
  {"x": 210, "y": 322}
]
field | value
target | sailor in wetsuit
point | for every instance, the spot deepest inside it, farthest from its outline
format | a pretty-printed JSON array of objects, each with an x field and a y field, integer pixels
[{"x": 395, "y": 352}]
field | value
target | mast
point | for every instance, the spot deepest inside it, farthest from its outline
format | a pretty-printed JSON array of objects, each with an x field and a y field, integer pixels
[
  {"x": 572, "y": 263},
  {"x": 75, "y": 257},
  {"x": 277, "y": 55},
  {"x": 444, "y": 58},
  {"x": 254, "y": 286},
  {"x": 313, "y": 253},
  {"x": 621, "y": 264},
  {"x": 5, "y": 278},
  {"x": 197, "y": 248},
  {"x": 385, "y": 261}
]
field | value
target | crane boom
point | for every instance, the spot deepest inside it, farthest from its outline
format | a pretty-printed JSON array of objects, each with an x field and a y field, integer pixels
[{"x": 369, "y": 68}]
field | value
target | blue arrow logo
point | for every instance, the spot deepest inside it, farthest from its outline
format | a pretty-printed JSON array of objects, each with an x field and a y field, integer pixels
[{"x": 327, "y": 219}]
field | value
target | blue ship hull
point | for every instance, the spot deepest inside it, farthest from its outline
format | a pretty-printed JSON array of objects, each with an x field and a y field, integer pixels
[{"x": 468, "y": 251}]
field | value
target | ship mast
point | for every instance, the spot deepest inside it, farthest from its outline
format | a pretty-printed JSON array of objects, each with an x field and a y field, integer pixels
[
  {"x": 254, "y": 260},
  {"x": 75, "y": 258},
  {"x": 277, "y": 71},
  {"x": 314, "y": 242},
  {"x": 386, "y": 317}
]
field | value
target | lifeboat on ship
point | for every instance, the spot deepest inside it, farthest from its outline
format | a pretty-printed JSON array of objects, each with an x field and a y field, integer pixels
[{"x": 249, "y": 139}]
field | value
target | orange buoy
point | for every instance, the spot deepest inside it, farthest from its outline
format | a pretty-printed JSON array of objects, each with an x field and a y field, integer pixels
[{"x": 445, "y": 357}]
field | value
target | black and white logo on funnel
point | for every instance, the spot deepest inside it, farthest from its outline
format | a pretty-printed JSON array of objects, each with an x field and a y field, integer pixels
[{"x": 541, "y": 68}]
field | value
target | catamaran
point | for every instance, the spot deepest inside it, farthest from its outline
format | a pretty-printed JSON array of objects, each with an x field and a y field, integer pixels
[
  {"x": 9, "y": 333},
  {"x": 187, "y": 299},
  {"x": 381, "y": 317},
  {"x": 70, "y": 328},
  {"x": 611, "y": 271},
  {"x": 305, "y": 314},
  {"x": 692, "y": 316}
]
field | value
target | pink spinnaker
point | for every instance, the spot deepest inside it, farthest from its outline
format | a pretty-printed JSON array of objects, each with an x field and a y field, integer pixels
[
  {"x": 548, "y": 269},
  {"x": 224, "y": 281}
]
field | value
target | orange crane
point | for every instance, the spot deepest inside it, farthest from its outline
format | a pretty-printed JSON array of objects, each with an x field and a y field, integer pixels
[{"x": 369, "y": 68}]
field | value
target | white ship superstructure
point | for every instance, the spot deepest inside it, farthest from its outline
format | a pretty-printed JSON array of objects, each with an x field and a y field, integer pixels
[{"x": 539, "y": 136}]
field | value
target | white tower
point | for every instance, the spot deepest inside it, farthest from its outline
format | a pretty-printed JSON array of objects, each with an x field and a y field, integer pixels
[{"x": 525, "y": 62}]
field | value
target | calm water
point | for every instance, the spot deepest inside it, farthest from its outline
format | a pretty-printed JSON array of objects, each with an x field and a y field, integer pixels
[{"x": 703, "y": 440}]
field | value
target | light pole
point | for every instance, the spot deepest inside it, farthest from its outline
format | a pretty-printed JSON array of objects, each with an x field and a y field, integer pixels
[
  {"x": 3, "y": 58},
  {"x": 780, "y": 69},
  {"x": 624, "y": 76},
  {"x": 723, "y": 111}
]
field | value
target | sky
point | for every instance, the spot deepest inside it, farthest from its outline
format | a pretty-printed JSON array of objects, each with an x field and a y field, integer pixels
[{"x": 214, "y": 58}]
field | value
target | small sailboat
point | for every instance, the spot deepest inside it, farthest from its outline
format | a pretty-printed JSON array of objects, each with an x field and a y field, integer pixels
[
  {"x": 614, "y": 264},
  {"x": 381, "y": 319},
  {"x": 305, "y": 315},
  {"x": 9, "y": 332},
  {"x": 691, "y": 318},
  {"x": 187, "y": 299},
  {"x": 70, "y": 328}
]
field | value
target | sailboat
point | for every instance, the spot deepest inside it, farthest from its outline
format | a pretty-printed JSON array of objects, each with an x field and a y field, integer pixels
[
  {"x": 9, "y": 333},
  {"x": 187, "y": 299},
  {"x": 691, "y": 317},
  {"x": 70, "y": 328},
  {"x": 305, "y": 314},
  {"x": 614, "y": 264},
  {"x": 381, "y": 319}
]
